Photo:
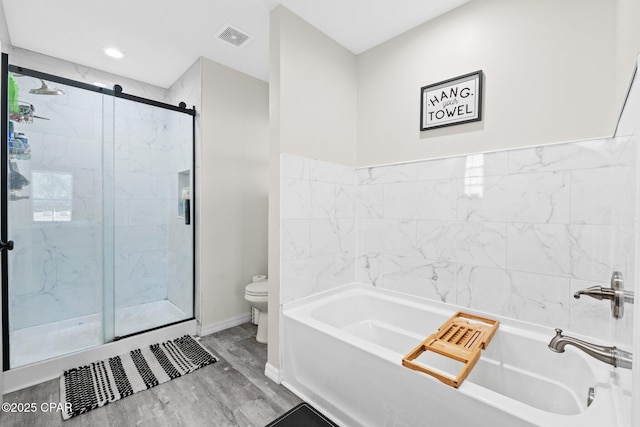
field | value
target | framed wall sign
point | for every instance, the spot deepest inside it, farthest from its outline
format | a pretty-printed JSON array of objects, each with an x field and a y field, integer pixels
[{"x": 451, "y": 102}]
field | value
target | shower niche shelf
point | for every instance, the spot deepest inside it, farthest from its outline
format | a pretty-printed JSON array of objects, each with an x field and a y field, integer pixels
[
  {"x": 184, "y": 192},
  {"x": 456, "y": 346}
]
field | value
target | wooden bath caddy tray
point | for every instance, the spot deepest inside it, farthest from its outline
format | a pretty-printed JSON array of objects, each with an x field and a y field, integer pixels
[{"x": 460, "y": 338}]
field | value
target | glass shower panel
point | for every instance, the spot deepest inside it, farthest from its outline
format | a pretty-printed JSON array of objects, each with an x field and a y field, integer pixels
[
  {"x": 624, "y": 199},
  {"x": 55, "y": 215},
  {"x": 153, "y": 243},
  {"x": 108, "y": 212}
]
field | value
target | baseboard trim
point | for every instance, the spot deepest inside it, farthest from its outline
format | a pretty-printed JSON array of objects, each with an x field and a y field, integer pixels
[
  {"x": 225, "y": 324},
  {"x": 272, "y": 373}
]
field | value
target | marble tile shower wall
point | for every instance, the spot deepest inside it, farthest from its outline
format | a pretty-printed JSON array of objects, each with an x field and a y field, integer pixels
[
  {"x": 143, "y": 202},
  {"x": 318, "y": 226},
  {"x": 55, "y": 268},
  {"x": 180, "y": 244},
  {"x": 180, "y": 289},
  {"x": 188, "y": 88},
  {"x": 514, "y": 232}
]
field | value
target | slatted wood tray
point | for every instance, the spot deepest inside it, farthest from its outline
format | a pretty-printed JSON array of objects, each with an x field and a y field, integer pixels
[{"x": 460, "y": 338}]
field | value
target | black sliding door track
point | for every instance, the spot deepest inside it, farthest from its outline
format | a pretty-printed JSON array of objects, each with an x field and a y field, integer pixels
[{"x": 116, "y": 91}]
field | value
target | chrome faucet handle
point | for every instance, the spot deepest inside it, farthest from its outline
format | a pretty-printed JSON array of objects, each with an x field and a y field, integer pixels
[
  {"x": 597, "y": 292},
  {"x": 616, "y": 294}
]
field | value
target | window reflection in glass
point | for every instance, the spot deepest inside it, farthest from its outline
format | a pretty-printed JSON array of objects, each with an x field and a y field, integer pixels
[{"x": 52, "y": 194}]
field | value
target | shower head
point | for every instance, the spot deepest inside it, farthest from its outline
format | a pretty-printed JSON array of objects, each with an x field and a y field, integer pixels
[{"x": 46, "y": 90}]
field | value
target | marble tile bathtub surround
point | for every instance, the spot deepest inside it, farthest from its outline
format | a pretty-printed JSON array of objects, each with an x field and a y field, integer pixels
[
  {"x": 523, "y": 224},
  {"x": 318, "y": 233},
  {"x": 513, "y": 232}
]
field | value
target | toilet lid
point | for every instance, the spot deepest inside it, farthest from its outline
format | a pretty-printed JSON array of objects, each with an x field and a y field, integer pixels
[{"x": 258, "y": 288}]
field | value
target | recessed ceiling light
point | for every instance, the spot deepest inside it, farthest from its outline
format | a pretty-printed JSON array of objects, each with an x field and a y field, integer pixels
[{"x": 113, "y": 52}]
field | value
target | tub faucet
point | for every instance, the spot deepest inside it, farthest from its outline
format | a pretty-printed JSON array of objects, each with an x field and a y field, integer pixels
[{"x": 611, "y": 355}]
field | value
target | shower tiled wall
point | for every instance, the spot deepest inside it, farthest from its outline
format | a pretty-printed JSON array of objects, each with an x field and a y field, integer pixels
[
  {"x": 514, "y": 232},
  {"x": 318, "y": 230},
  {"x": 180, "y": 289},
  {"x": 142, "y": 202},
  {"x": 55, "y": 267}
]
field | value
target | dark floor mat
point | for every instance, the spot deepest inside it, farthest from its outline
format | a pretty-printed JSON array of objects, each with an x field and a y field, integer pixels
[{"x": 302, "y": 415}]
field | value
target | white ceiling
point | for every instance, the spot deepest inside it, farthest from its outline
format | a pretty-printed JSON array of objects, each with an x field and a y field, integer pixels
[{"x": 162, "y": 38}]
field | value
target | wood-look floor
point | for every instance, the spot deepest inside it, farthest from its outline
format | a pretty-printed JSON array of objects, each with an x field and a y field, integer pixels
[{"x": 231, "y": 392}]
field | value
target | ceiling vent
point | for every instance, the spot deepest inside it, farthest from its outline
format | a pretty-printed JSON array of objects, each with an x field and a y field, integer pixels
[{"x": 233, "y": 35}]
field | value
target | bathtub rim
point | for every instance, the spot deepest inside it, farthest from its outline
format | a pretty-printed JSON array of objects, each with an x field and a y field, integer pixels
[
  {"x": 543, "y": 333},
  {"x": 299, "y": 310}
]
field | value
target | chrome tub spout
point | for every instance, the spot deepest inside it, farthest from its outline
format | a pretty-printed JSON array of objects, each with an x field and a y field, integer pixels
[{"x": 611, "y": 355}]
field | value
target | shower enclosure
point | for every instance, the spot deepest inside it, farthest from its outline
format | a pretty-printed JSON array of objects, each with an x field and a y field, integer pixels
[{"x": 97, "y": 229}]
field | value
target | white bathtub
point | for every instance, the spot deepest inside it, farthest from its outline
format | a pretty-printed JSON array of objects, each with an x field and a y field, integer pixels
[{"x": 343, "y": 351}]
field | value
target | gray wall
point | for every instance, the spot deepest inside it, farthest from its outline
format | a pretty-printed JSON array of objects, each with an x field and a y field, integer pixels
[
  {"x": 313, "y": 113},
  {"x": 550, "y": 69},
  {"x": 233, "y": 191},
  {"x": 627, "y": 45}
]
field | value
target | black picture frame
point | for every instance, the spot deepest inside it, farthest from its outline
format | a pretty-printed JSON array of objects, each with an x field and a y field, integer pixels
[{"x": 452, "y": 102}]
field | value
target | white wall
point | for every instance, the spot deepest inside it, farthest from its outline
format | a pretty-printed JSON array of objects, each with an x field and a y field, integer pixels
[
  {"x": 549, "y": 68},
  {"x": 234, "y": 191},
  {"x": 628, "y": 46},
  {"x": 313, "y": 113}
]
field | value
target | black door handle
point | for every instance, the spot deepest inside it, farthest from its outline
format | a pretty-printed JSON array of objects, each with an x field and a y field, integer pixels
[{"x": 8, "y": 245}]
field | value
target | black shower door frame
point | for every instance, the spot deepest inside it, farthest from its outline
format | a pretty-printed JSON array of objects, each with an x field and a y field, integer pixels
[{"x": 4, "y": 196}]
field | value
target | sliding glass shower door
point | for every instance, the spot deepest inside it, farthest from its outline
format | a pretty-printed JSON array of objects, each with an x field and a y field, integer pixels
[
  {"x": 153, "y": 241},
  {"x": 97, "y": 193},
  {"x": 54, "y": 213}
]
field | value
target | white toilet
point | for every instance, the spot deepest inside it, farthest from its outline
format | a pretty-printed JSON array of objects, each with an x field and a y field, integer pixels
[{"x": 257, "y": 293}]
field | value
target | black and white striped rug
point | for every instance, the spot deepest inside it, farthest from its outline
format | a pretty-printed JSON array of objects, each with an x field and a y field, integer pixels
[{"x": 92, "y": 386}]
